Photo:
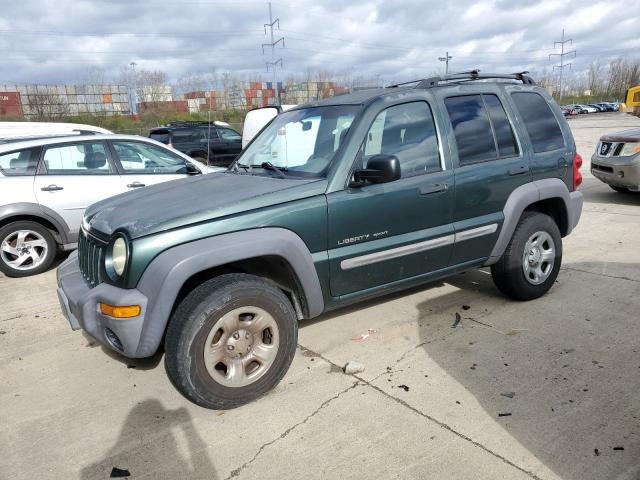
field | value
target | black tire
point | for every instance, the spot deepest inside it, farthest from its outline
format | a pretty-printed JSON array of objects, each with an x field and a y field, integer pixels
[
  {"x": 8, "y": 230},
  {"x": 508, "y": 274},
  {"x": 194, "y": 319},
  {"x": 620, "y": 189}
]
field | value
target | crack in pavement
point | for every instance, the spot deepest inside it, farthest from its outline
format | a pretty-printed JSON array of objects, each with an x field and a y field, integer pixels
[
  {"x": 600, "y": 274},
  {"x": 234, "y": 473},
  {"x": 612, "y": 213},
  {"x": 362, "y": 381}
]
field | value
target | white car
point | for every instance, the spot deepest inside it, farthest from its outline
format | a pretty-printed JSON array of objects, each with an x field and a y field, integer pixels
[
  {"x": 13, "y": 131},
  {"x": 46, "y": 184}
]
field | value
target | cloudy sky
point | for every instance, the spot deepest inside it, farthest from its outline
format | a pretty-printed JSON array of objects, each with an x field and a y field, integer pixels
[{"x": 60, "y": 41}]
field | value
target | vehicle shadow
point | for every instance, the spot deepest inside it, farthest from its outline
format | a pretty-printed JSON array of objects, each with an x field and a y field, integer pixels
[
  {"x": 571, "y": 372},
  {"x": 607, "y": 195},
  {"x": 155, "y": 442}
]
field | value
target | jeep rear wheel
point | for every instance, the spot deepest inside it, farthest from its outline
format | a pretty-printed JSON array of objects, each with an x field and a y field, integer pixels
[
  {"x": 26, "y": 248},
  {"x": 230, "y": 340},
  {"x": 530, "y": 264}
]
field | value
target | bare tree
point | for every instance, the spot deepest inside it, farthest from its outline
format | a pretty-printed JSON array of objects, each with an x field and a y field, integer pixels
[{"x": 47, "y": 107}]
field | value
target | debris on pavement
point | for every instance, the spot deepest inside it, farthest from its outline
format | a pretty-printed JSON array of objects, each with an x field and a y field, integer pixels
[
  {"x": 596, "y": 452},
  {"x": 2, "y": 332},
  {"x": 508, "y": 394},
  {"x": 466, "y": 307},
  {"x": 364, "y": 336},
  {"x": 352, "y": 367},
  {"x": 504, "y": 414},
  {"x": 618, "y": 448},
  {"x": 457, "y": 320},
  {"x": 131, "y": 366},
  {"x": 404, "y": 387},
  {"x": 119, "y": 473}
]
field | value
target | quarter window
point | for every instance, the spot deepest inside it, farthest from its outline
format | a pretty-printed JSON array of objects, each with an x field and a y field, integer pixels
[
  {"x": 22, "y": 162},
  {"x": 87, "y": 158},
  {"x": 540, "y": 122},
  {"x": 138, "y": 157},
  {"x": 408, "y": 132},
  {"x": 481, "y": 128}
]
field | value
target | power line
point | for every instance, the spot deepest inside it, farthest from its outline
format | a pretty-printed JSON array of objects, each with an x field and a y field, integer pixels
[{"x": 562, "y": 54}]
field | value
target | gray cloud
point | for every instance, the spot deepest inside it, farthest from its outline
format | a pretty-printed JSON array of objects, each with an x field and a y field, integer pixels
[{"x": 51, "y": 42}]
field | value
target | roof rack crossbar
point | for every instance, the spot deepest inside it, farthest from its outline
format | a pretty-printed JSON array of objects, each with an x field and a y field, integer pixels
[{"x": 467, "y": 76}]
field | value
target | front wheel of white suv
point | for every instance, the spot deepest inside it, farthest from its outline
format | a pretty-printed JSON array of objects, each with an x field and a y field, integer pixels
[{"x": 26, "y": 248}]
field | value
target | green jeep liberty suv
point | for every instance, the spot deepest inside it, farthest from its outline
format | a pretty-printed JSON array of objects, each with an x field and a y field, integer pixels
[{"x": 333, "y": 202}]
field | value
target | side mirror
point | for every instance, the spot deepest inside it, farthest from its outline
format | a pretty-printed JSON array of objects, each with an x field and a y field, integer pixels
[
  {"x": 306, "y": 126},
  {"x": 192, "y": 169},
  {"x": 380, "y": 169}
]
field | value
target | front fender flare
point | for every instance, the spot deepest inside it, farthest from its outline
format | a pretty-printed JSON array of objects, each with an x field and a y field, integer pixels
[{"x": 167, "y": 273}]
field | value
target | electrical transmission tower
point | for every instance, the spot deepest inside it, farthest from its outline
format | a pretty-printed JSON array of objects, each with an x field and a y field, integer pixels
[
  {"x": 273, "y": 64},
  {"x": 562, "y": 54}
]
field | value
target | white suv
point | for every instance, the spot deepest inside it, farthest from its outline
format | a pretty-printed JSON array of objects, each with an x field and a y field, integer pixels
[{"x": 46, "y": 184}]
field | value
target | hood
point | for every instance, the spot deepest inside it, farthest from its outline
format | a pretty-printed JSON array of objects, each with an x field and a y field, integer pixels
[
  {"x": 195, "y": 199},
  {"x": 632, "y": 135}
]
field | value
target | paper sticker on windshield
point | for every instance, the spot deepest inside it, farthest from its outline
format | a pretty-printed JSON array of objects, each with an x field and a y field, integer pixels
[{"x": 282, "y": 131}]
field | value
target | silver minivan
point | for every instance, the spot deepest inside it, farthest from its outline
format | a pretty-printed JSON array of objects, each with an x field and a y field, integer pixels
[{"x": 46, "y": 184}]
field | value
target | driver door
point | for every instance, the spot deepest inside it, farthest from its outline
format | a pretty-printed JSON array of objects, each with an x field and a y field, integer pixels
[{"x": 384, "y": 233}]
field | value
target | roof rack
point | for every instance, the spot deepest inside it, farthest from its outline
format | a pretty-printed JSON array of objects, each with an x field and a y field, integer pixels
[
  {"x": 469, "y": 76},
  {"x": 193, "y": 123}
]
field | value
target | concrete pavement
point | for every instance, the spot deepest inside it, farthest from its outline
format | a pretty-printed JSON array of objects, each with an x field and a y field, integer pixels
[{"x": 428, "y": 405}]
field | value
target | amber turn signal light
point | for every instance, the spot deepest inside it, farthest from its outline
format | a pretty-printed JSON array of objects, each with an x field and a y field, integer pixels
[{"x": 129, "y": 311}]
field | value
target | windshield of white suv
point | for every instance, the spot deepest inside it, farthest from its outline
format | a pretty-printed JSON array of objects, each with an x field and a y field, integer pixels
[{"x": 299, "y": 143}]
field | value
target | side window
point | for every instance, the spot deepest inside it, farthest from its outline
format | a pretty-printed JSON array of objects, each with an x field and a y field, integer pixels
[
  {"x": 185, "y": 136},
  {"x": 208, "y": 134},
  {"x": 472, "y": 129},
  {"x": 507, "y": 146},
  {"x": 87, "y": 158},
  {"x": 22, "y": 162},
  {"x": 481, "y": 128},
  {"x": 229, "y": 135},
  {"x": 540, "y": 122},
  {"x": 408, "y": 132},
  {"x": 138, "y": 157}
]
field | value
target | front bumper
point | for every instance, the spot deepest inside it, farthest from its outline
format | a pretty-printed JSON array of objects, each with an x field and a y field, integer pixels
[
  {"x": 80, "y": 305},
  {"x": 616, "y": 171}
]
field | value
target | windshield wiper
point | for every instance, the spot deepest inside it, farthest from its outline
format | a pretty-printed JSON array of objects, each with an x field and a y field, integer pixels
[
  {"x": 270, "y": 166},
  {"x": 247, "y": 168}
]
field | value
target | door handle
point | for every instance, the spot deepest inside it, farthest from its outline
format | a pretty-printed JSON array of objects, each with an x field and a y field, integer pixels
[
  {"x": 521, "y": 170},
  {"x": 135, "y": 185},
  {"x": 436, "y": 188},
  {"x": 51, "y": 188}
]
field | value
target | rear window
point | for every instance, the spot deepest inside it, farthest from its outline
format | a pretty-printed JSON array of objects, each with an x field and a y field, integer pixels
[
  {"x": 21, "y": 162},
  {"x": 540, "y": 122},
  {"x": 162, "y": 137}
]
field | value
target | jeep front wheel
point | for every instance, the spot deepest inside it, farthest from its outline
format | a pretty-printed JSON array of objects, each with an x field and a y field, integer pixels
[
  {"x": 530, "y": 264},
  {"x": 230, "y": 340}
]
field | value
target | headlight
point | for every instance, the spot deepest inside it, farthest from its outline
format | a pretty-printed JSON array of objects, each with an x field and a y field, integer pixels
[
  {"x": 630, "y": 149},
  {"x": 116, "y": 259}
]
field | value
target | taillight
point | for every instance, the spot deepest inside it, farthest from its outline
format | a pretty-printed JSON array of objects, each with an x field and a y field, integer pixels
[{"x": 577, "y": 176}]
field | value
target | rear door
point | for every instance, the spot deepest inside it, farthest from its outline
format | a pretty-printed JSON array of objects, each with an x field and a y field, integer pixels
[
  {"x": 383, "y": 233},
  {"x": 551, "y": 153},
  {"x": 490, "y": 165},
  {"x": 72, "y": 176},
  {"x": 141, "y": 164}
]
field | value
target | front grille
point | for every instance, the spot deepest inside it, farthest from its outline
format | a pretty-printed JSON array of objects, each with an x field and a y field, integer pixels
[{"x": 91, "y": 257}]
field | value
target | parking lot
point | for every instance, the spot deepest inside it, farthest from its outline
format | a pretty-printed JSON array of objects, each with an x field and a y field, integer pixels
[{"x": 545, "y": 389}]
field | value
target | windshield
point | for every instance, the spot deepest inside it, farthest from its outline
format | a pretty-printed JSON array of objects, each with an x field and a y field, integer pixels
[{"x": 300, "y": 142}]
